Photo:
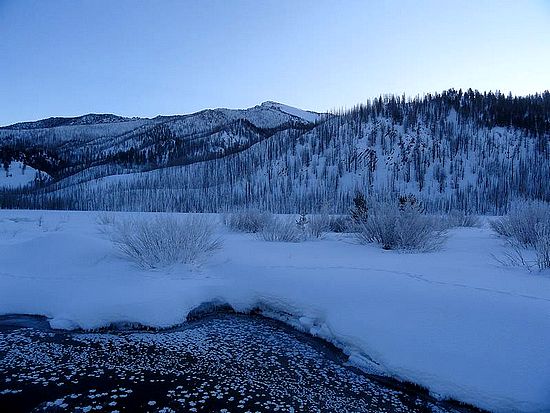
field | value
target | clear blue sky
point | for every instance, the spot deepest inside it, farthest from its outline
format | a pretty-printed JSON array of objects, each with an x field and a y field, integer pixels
[{"x": 143, "y": 58}]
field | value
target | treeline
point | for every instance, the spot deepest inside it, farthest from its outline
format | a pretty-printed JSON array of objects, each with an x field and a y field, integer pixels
[{"x": 490, "y": 109}]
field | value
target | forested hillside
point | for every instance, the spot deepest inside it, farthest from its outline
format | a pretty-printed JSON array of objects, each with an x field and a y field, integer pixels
[{"x": 468, "y": 150}]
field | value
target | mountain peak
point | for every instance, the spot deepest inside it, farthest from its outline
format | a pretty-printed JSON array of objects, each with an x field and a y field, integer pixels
[
  {"x": 270, "y": 103},
  {"x": 290, "y": 110}
]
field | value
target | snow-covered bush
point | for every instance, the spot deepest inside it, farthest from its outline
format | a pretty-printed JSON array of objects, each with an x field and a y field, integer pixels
[
  {"x": 105, "y": 222},
  {"x": 542, "y": 245},
  {"x": 318, "y": 225},
  {"x": 522, "y": 255},
  {"x": 340, "y": 223},
  {"x": 521, "y": 222},
  {"x": 400, "y": 228},
  {"x": 105, "y": 218},
  {"x": 458, "y": 218},
  {"x": 302, "y": 223},
  {"x": 165, "y": 240},
  {"x": 248, "y": 220},
  {"x": 281, "y": 229},
  {"x": 526, "y": 227},
  {"x": 360, "y": 210}
]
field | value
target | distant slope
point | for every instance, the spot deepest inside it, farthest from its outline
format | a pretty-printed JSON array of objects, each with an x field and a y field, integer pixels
[
  {"x": 90, "y": 119},
  {"x": 459, "y": 149},
  {"x": 138, "y": 144}
]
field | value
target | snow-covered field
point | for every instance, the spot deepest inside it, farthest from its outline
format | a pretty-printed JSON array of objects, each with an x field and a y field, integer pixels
[{"x": 454, "y": 321}]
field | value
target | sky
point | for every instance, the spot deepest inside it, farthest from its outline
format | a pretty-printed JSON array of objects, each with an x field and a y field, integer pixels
[{"x": 144, "y": 58}]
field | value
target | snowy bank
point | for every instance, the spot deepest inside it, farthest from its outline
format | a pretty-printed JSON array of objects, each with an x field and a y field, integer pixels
[{"x": 454, "y": 321}]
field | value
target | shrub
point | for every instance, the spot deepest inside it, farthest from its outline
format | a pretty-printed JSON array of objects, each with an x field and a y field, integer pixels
[
  {"x": 400, "y": 227},
  {"x": 360, "y": 210},
  {"x": 165, "y": 240},
  {"x": 105, "y": 218},
  {"x": 457, "y": 218},
  {"x": 340, "y": 223},
  {"x": 280, "y": 229},
  {"x": 248, "y": 220},
  {"x": 526, "y": 226},
  {"x": 318, "y": 225},
  {"x": 542, "y": 245},
  {"x": 105, "y": 222},
  {"x": 302, "y": 223},
  {"x": 521, "y": 222}
]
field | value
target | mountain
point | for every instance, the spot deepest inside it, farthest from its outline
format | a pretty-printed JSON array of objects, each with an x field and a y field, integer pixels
[
  {"x": 468, "y": 150},
  {"x": 89, "y": 119},
  {"x": 65, "y": 146}
]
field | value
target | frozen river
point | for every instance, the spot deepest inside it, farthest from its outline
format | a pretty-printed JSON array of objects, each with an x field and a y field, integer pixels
[{"x": 220, "y": 363}]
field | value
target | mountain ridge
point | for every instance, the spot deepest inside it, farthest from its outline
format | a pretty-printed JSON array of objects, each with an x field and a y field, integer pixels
[
  {"x": 468, "y": 150},
  {"x": 95, "y": 118}
]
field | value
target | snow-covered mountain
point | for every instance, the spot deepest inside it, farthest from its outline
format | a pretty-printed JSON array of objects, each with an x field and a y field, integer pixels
[
  {"x": 69, "y": 145},
  {"x": 87, "y": 127},
  {"x": 89, "y": 119},
  {"x": 454, "y": 150}
]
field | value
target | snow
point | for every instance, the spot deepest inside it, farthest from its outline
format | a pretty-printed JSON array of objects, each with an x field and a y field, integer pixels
[
  {"x": 281, "y": 171},
  {"x": 110, "y": 130},
  {"x": 66, "y": 133},
  {"x": 299, "y": 113},
  {"x": 454, "y": 321},
  {"x": 18, "y": 175}
]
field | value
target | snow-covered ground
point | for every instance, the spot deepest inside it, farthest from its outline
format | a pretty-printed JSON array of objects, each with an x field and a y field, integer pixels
[{"x": 454, "y": 321}]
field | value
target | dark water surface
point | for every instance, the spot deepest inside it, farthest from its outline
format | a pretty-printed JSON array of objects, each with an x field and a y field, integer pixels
[{"x": 221, "y": 363}]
